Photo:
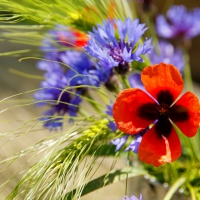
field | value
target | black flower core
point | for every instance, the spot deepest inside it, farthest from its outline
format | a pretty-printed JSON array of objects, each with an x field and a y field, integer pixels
[
  {"x": 123, "y": 68},
  {"x": 162, "y": 112}
]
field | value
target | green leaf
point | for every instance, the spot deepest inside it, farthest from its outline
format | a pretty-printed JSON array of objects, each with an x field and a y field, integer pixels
[
  {"x": 113, "y": 177},
  {"x": 104, "y": 150},
  {"x": 195, "y": 182}
]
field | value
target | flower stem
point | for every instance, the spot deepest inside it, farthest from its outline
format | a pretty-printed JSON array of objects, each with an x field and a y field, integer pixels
[
  {"x": 175, "y": 187},
  {"x": 187, "y": 73},
  {"x": 125, "y": 81},
  {"x": 192, "y": 192},
  {"x": 92, "y": 103}
]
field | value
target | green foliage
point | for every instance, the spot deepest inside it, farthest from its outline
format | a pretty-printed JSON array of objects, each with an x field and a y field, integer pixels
[
  {"x": 109, "y": 178},
  {"x": 58, "y": 171}
]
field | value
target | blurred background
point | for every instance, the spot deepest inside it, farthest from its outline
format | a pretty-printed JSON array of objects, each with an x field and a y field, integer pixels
[{"x": 18, "y": 77}]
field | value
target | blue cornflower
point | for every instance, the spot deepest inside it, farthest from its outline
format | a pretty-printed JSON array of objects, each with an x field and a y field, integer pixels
[
  {"x": 119, "y": 142},
  {"x": 168, "y": 54},
  {"x": 51, "y": 121},
  {"x": 64, "y": 69},
  {"x": 51, "y": 63},
  {"x": 109, "y": 112},
  {"x": 54, "y": 95},
  {"x": 133, "y": 198},
  {"x": 77, "y": 69},
  {"x": 135, "y": 81},
  {"x": 115, "y": 44},
  {"x": 133, "y": 146},
  {"x": 83, "y": 71},
  {"x": 179, "y": 23}
]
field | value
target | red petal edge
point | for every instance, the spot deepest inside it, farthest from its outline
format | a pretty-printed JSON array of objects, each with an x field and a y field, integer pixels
[
  {"x": 158, "y": 150},
  {"x": 125, "y": 110}
]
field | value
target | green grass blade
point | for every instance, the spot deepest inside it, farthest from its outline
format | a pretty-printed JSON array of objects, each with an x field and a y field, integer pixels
[{"x": 112, "y": 177}]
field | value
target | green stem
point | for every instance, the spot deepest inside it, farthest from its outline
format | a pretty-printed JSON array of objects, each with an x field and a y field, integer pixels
[
  {"x": 93, "y": 104},
  {"x": 192, "y": 192},
  {"x": 189, "y": 144},
  {"x": 167, "y": 5},
  {"x": 109, "y": 178},
  {"x": 187, "y": 72},
  {"x": 125, "y": 81},
  {"x": 174, "y": 188},
  {"x": 153, "y": 33}
]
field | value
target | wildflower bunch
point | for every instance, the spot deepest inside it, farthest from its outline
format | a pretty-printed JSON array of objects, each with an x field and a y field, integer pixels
[{"x": 111, "y": 88}]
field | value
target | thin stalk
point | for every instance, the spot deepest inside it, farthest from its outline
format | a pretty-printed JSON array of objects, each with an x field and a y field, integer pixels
[
  {"x": 153, "y": 33},
  {"x": 167, "y": 5},
  {"x": 192, "y": 192},
  {"x": 125, "y": 82},
  {"x": 128, "y": 166},
  {"x": 187, "y": 72},
  {"x": 175, "y": 187},
  {"x": 92, "y": 103},
  {"x": 189, "y": 144}
]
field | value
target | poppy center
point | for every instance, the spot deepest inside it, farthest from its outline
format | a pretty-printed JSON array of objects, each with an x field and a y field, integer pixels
[{"x": 163, "y": 112}]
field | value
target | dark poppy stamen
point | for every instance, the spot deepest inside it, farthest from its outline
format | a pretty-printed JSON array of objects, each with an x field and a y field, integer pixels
[
  {"x": 163, "y": 112},
  {"x": 163, "y": 126},
  {"x": 165, "y": 97}
]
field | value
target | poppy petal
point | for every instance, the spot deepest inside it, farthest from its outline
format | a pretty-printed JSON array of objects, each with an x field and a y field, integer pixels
[
  {"x": 157, "y": 150},
  {"x": 127, "y": 114},
  {"x": 163, "y": 82},
  {"x": 187, "y": 115}
]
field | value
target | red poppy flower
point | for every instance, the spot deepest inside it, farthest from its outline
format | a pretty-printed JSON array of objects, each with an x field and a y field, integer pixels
[{"x": 134, "y": 110}]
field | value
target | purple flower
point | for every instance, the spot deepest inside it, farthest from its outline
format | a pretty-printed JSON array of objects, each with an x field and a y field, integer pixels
[
  {"x": 50, "y": 121},
  {"x": 61, "y": 102},
  {"x": 134, "y": 145},
  {"x": 63, "y": 69},
  {"x": 112, "y": 126},
  {"x": 83, "y": 71},
  {"x": 179, "y": 23},
  {"x": 135, "y": 81},
  {"x": 77, "y": 69},
  {"x": 168, "y": 54},
  {"x": 117, "y": 52},
  {"x": 119, "y": 142},
  {"x": 133, "y": 198}
]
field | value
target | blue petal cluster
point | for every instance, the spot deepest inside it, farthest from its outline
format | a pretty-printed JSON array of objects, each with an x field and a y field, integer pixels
[
  {"x": 111, "y": 125},
  {"x": 115, "y": 44},
  {"x": 179, "y": 23},
  {"x": 135, "y": 81},
  {"x": 133, "y": 146},
  {"x": 64, "y": 69},
  {"x": 133, "y": 198},
  {"x": 168, "y": 54},
  {"x": 55, "y": 94},
  {"x": 83, "y": 71}
]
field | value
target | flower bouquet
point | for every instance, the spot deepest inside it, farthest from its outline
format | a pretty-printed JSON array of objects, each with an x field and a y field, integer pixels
[{"x": 112, "y": 77}]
